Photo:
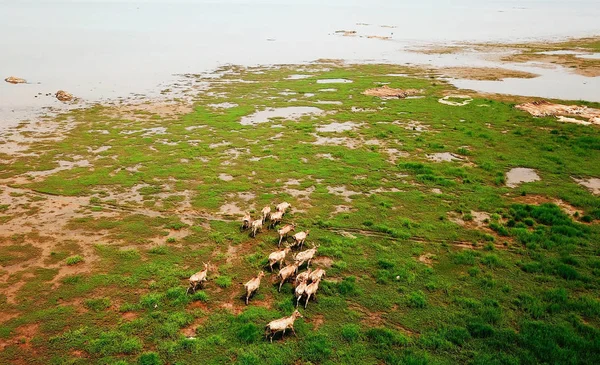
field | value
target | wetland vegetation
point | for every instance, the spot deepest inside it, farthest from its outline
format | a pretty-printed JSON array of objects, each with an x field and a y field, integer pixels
[{"x": 429, "y": 260}]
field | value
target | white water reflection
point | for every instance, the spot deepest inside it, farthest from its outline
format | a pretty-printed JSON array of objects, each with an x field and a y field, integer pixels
[{"x": 99, "y": 49}]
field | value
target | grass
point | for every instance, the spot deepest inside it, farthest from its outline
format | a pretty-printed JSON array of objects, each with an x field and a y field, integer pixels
[{"x": 521, "y": 287}]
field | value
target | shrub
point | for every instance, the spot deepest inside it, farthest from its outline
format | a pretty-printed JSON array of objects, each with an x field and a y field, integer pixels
[
  {"x": 74, "y": 260},
  {"x": 248, "y": 333},
  {"x": 149, "y": 358},
  {"x": 347, "y": 286},
  {"x": 491, "y": 260},
  {"x": 316, "y": 348},
  {"x": 351, "y": 332},
  {"x": 457, "y": 335},
  {"x": 480, "y": 330},
  {"x": 417, "y": 300},
  {"x": 200, "y": 296},
  {"x": 223, "y": 281},
  {"x": 465, "y": 257},
  {"x": 98, "y": 304},
  {"x": 385, "y": 338}
]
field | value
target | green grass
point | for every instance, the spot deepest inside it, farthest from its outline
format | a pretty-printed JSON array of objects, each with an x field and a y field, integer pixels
[{"x": 404, "y": 284}]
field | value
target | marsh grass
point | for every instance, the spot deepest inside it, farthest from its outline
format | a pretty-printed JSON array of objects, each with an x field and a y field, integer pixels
[{"x": 521, "y": 288}]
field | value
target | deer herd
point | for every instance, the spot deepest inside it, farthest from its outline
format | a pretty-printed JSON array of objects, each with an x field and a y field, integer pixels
[{"x": 306, "y": 283}]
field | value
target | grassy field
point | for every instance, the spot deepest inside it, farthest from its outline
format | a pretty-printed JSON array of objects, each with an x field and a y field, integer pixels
[{"x": 427, "y": 262}]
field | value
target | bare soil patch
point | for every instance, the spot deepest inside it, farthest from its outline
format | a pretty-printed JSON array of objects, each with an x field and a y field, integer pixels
[
  {"x": 543, "y": 108},
  {"x": 484, "y": 73},
  {"x": 386, "y": 92}
]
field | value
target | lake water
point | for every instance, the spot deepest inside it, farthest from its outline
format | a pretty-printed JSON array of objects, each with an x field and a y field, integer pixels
[{"x": 101, "y": 50}]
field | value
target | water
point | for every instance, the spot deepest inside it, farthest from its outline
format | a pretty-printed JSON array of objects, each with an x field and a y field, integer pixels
[{"x": 107, "y": 49}]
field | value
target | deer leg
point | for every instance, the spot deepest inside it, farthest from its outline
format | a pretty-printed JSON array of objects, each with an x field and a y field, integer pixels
[{"x": 307, "y": 299}]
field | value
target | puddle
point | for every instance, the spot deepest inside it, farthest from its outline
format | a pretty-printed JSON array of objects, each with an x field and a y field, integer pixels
[
  {"x": 593, "y": 184},
  {"x": 338, "y": 127},
  {"x": 520, "y": 175},
  {"x": 444, "y": 157},
  {"x": 447, "y": 100},
  {"x": 561, "y": 52},
  {"x": 329, "y": 102},
  {"x": 593, "y": 56},
  {"x": 224, "y": 105},
  {"x": 327, "y": 90},
  {"x": 287, "y": 93},
  {"x": 298, "y": 77},
  {"x": 308, "y": 95},
  {"x": 334, "y": 81},
  {"x": 291, "y": 113},
  {"x": 225, "y": 177}
]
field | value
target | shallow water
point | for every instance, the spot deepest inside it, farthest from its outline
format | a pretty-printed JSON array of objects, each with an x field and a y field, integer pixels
[
  {"x": 100, "y": 50},
  {"x": 292, "y": 112},
  {"x": 519, "y": 175}
]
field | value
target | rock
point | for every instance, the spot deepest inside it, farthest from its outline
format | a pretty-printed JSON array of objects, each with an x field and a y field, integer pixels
[
  {"x": 15, "y": 80},
  {"x": 63, "y": 95}
]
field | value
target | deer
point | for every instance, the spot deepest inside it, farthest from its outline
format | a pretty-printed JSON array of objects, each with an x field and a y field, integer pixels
[
  {"x": 317, "y": 275},
  {"x": 299, "y": 291},
  {"x": 253, "y": 285},
  {"x": 311, "y": 290},
  {"x": 303, "y": 276},
  {"x": 198, "y": 279},
  {"x": 275, "y": 219},
  {"x": 256, "y": 227},
  {"x": 283, "y": 207},
  {"x": 246, "y": 221},
  {"x": 282, "y": 324},
  {"x": 266, "y": 212},
  {"x": 300, "y": 237},
  {"x": 304, "y": 256},
  {"x": 278, "y": 257},
  {"x": 286, "y": 273},
  {"x": 284, "y": 231}
]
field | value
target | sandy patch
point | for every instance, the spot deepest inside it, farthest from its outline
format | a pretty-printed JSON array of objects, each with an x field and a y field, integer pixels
[
  {"x": 145, "y": 111},
  {"x": 386, "y": 92}
]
